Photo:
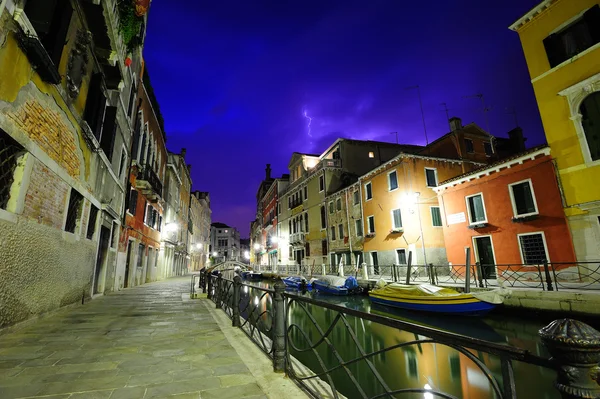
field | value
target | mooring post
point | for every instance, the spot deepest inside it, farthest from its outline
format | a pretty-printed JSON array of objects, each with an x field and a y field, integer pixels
[
  {"x": 575, "y": 350},
  {"x": 237, "y": 288},
  {"x": 209, "y": 294},
  {"x": 218, "y": 291},
  {"x": 467, "y": 269},
  {"x": 323, "y": 271},
  {"x": 409, "y": 267},
  {"x": 548, "y": 278},
  {"x": 279, "y": 328},
  {"x": 365, "y": 273}
]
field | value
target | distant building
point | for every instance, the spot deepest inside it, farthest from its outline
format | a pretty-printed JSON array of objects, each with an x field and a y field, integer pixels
[
  {"x": 200, "y": 219},
  {"x": 561, "y": 43},
  {"x": 224, "y": 243}
]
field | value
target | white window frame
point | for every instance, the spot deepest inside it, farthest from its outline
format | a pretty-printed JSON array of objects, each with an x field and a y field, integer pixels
[
  {"x": 338, "y": 200},
  {"x": 514, "y": 204},
  {"x": 369, "y": 224},
  {"x": 471, "y": 223},
  {"x": 398, "y": 258},
  {"x": 305, "y": 192},
  {"x": 331, "y": 207},
  {"x": 356, "y": 223},
  {"x": 321, "y": 178},
  {"x": 354, "y": 196},
  {"x": 390, "y": 183},
  {"x": 123, "y": 168},
  {"x": 531, "y": 234},
  {"x": 476, "y": 253},
  {"x": 367, "y": 191},
  {"x": 431, "y": 213},
  {"x": 392, "y": 217},
  {"x": 434, "y": 175}
]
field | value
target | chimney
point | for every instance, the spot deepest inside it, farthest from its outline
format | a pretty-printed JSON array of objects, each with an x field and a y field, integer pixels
[
  {"x": 455, "y": 123},
  {"x": 268, "y": 170},
  {"x": 517, "y": 141},
  {"x": 183, "y": 151}
]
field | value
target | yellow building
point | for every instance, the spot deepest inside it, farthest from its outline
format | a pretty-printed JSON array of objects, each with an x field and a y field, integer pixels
[{"x": 561, "y": 42}]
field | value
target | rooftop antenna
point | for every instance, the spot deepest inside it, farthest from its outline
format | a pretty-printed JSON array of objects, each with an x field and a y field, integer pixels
[
  {"x": 422, "y": 113},
  {"x": 447, "y": 115},
  {"x": 396, "y": 133},
  {"x": 513, "y": 112},
  {"x": 485, "y": 109}
]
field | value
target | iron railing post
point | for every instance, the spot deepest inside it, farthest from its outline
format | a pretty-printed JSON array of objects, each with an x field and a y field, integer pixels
[
  {"x": 508, "y": 379},
  {"x": 409, "y": 267},
  {"x": 279, "y": 328},
  {"x": 467, "y": 270},
  {"x": 479, "y": 275},
  {"x": 394, "y": 273},
  {"x": 548, "y": 278},
  {"x": 218, "y": 291},
  {"x": 235, "y": 306},
  {"x": 209, "y": 295}
]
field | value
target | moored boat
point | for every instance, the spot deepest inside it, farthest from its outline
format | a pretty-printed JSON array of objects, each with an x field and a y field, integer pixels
[
  {"x": 297, "y": 283},
  {"x": 252, "y": 275},
  {"x": 336, "y": 285},
  {"x": 431, "y": 298}
]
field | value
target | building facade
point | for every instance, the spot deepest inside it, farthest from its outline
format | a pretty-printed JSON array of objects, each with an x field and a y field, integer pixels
[
  {"x": 200, "y": 217},
  {"x": 561, "y": 43},
  {"x": 224, "y": 243},
  {"x": 509, "y": 213},
  {"x": 67, "y": 90}
]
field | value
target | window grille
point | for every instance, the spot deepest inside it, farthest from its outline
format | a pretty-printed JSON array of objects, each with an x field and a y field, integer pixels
[
  {"x": 10, "y": 151},
  {"x": 533, "y": 249},
  {"x": 74, "y": 210}
]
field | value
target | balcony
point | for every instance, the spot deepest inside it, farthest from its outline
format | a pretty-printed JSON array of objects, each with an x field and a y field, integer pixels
[
  {"x": 297, "y": 238},
  {"x": 149, "y": 184},
  {"x": 39, "y": 57}
]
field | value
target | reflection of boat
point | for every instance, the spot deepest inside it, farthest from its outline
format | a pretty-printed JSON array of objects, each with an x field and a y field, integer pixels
[
  {"x": 336, "y": 285},
  {"x": 430, "y": 298},
  {"x": 251, "y": 275},
  {"x": 297, "y": 283}
]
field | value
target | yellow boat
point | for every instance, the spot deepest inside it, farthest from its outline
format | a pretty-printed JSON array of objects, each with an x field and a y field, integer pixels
[{"x": 431, "y": 298}]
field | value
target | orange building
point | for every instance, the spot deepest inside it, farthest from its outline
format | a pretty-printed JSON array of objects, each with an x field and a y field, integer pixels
[
  {"x": 509, "y": 213},
  {"x": 401, "y": 213}
]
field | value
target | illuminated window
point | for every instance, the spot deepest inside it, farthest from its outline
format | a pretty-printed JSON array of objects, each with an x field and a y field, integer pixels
[{"x": 371, "y": 154}]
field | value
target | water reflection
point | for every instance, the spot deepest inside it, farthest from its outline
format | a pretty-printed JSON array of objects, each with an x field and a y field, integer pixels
[{"x": 425, "y": 365}]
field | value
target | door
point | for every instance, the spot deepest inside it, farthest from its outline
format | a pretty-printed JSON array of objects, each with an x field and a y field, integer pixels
[
  {"x": 127, "y": 264},
  {"x": 102, "y": 250},
  {"x": 375, "y": 262},
  {"x": 485, "y": 256}
]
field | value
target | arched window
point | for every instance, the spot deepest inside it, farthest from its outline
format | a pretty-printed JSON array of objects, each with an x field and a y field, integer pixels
[
  {"x": 301, "y": 227},
  {"x": 590, "y": 119}
]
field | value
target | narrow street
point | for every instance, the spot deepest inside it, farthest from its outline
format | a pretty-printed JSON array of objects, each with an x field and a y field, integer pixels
[{"x": 145, "y": 342}]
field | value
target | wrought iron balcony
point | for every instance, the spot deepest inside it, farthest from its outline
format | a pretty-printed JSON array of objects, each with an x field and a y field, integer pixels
[
  {"x": 149, "y": 183},
  {"x": 39, "y": 57}
]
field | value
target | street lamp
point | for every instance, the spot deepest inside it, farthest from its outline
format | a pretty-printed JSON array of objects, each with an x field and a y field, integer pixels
[
  {"x": 215, "y": 254},
  {"x": 256, "y": 246},
  {"x": 171, "y": 226},
  {"x": 198, "y": 246},
  {"x": 247, "y": 254},
  {"x": 274, "y": 239}
]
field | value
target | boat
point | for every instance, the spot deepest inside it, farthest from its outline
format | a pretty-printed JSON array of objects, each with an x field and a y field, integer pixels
[
  {"x": 336, "y": 285},
  {"x": 252, "y": 275},
  {"x": 431, "y": 298},
  {"x": 297, "y": 283}
]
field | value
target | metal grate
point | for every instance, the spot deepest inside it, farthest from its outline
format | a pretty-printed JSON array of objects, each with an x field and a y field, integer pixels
[
  {"x": 74, "y": 211},
  {"x": 10, "y": 151},
  {"x": 533, "y": 248}
]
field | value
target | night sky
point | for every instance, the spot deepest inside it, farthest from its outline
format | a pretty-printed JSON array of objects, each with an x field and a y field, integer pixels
[{"x": 235, "y": 79}]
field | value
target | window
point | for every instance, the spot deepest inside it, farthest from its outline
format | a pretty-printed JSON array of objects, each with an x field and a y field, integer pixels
[
  {"x": 590, "y": 120},
  {"x": 91, "y": 227},
  {"x": 109, "y": 130},
  {"x": 469, "y": 146},
  {"x": 533, "y": 248},
  {"x": 148, "y": 215},
  {"x": 323, "y": 218},
  {"x": 476, "y": 209},
  {"x": 306, "y": 223},
  {"x": 307, "y": 249},
  {"x": 338, "y": 204},
  {"x": 323, "y": 247},
  {"x": 356, "y": 197},
  {"x": 401, "y": 256},
  {"x": 396, "y": 219},
  {"x": 575, "y": 38},
  {"x": 359, "y": 227},
  {"x": 371, "y": 224},
  {"x": 332, "y": 233},
  {"x": 114, "y": 237},
  {"x": 290, "y": 227},
  {"x": 341, "y": 231},
  {"x": 73, "y": 211},
  {"x": 371, "y": 154},
  {"x": 368, "y": 192},
  {"x": 290, "y": 253},
  {"x": 131, "y": 97},
  {"x": 392, "y": 180},
  {"x": 436, "y": 217},
  {"x": 331, "y": 207},
  {"x": 10, "y": 151},
  {"x": 305, "y": 194},
  {"x": 431, "y": 177},
  {"x": 133, "y": 197},
  {"x": 487, "y": 147},
  {"x": 122, "y": 162},
  {"x": 523, "y": 198},
  {"x": 321, "y": 183},
  {"x": 159, "y": 223},
  {"x": 140, "y": 255},
  {"x": 95, "y": 105},
  {"x": 290, "y": 202}
]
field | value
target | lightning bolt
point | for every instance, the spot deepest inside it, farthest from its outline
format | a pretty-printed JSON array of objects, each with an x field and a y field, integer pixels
[{"x": 305, "y": 114}]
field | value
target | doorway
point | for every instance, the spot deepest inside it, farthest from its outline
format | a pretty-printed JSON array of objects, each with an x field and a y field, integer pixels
[
  {"x": 127, "y": 264},
  {"x": 102, "y": 251},
  {"x": 484, "y": 254},
  {"x": 375, "y": 262}
]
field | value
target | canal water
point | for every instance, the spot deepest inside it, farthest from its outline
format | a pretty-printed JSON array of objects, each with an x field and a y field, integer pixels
[{"x": 427, "y": 365}]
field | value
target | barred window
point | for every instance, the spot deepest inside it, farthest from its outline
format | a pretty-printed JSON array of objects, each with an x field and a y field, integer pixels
[
  {"x": 533, "y": 249},
  {"x": 74, "y": 210},
  {"x": 133, "y": 197},
  {"x": 91, "y": 227},
  {"x": 10, "y": 151}
]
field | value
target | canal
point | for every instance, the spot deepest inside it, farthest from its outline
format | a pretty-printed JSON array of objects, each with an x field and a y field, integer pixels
[{"x": 428, "y": 365}]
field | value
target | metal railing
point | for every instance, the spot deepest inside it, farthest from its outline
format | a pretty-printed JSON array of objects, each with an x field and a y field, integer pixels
[{"x": 270, "y": 318}]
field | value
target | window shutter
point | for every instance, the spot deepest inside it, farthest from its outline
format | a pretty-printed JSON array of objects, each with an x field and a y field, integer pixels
[
  {"x": 554, "y": 50},
  {"x": 40, "y": 13},
  {"x": 592, "y": 20},
  {"x": 397, "y": 219},
  {"x": 109, "y": 129},
  {"x": 95, "y": 104}
]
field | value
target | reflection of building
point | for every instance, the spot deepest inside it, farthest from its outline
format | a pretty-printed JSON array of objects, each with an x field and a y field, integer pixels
[
  {"x": 245, "y": 249},
  {"x": 561, "y": 43},
  {"x": 200, "y": 218},
  {"x": 508, "y": 213},
  {"x": 224, "y": 243}
]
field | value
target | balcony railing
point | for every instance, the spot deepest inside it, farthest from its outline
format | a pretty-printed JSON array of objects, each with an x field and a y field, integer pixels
[
  {"x": 297, "y": 238},
  {"x": 149, "y": 183}
]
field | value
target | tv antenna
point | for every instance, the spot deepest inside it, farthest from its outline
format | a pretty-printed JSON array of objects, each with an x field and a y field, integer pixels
[
  {"x": 447, "y": 115},
  {"x": 422, "y": 113},
  {"x": 485, "y": 109},
  {"x": 513, "y": 112}
]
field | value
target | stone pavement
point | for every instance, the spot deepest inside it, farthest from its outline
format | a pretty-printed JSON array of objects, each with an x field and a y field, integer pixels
[{"x": 144, "y": 342}]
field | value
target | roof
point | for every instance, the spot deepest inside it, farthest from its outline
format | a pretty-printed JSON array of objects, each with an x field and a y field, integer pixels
[
  {"x": 531, "y": 14},
  {"x": 382, "y": 143},
  {"x": 220, "y": 225},
  {"x": 531, "y": 153},
  {"x": 469, "y": 128}
]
